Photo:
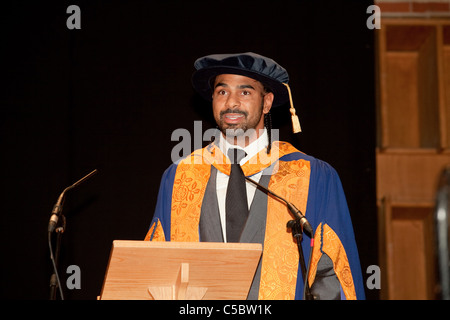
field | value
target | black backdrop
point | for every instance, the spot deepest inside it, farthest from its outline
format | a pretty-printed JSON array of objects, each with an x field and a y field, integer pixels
[{"x": 109, "y": 96}]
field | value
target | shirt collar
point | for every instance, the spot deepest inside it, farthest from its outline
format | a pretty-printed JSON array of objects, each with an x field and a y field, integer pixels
[{"x": 251, "y": 150}]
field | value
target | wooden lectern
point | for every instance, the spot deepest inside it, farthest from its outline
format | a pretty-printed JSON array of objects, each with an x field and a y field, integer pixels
[{"x": 180, "y": 270}]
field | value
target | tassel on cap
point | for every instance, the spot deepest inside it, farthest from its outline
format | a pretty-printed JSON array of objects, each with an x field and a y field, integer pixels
[{"x": 296, "y": 128}]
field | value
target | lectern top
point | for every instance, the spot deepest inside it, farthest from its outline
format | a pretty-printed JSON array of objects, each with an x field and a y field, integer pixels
[{"x": 226, "y": 270}]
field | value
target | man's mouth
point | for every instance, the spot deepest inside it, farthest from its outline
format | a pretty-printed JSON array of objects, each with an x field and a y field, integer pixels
[{"x": 231, "y": 117}]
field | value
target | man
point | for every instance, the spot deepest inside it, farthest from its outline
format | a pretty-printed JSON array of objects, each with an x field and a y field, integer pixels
[{"x": 205, "y": 197}]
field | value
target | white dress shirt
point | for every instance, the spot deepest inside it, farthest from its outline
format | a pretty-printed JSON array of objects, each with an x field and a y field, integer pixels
[{"x": 222, "y": 179}]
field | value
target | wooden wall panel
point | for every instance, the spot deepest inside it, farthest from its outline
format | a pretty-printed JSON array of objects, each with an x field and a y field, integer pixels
[
  {"x": 413, "y": 149},
  {"x": 410, "y": 176},
  {"x": 409, "y": 85},
  {"x": 401, "y": 88},
  {"x": 410, "y": 253},
  {"x": 445, "y": 94}
]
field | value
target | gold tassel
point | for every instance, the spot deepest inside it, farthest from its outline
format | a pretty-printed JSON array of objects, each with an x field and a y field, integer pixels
[{"x": 296, "y": 128}]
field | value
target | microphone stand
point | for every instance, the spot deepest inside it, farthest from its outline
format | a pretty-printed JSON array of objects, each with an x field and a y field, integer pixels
[
  {"x": 297, "y": 225},
  {"x": 297, "y": 234},
  {"x": 52, "y": 227},
  {"x": 53, "y": 279}
]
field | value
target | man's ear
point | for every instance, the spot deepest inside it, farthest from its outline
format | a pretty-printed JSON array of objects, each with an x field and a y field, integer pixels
[{"x": 268, "y": 100}]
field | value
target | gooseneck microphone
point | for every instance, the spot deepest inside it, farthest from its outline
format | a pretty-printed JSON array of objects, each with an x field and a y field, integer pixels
[
  {"x": 57, "y": 208},
  {"x": 56, "y": 214},
  {"x": 292, "y": 208}
]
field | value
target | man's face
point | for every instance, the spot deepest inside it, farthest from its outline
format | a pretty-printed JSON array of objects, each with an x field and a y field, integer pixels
[{"x": 239, "y": 102}]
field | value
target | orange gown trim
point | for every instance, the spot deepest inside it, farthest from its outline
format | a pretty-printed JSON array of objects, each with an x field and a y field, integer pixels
[{"x": 326, "y": 241}]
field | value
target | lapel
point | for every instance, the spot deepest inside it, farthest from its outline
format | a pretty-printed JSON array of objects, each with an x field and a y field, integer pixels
[
  {"x": 210, "y": 226},
  {"x": 256, "y": 222}
]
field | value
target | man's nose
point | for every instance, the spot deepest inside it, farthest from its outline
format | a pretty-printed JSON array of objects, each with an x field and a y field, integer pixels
[{"x": 233, "y": 101}]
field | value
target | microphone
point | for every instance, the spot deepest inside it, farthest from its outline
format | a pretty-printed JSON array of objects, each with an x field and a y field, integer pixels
[
  {"x": 292, "y": 208},
  {"x": 57, "y": 208}
]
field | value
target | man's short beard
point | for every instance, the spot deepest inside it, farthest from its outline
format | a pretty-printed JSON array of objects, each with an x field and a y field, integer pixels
[{"x": 232, "y": 132}]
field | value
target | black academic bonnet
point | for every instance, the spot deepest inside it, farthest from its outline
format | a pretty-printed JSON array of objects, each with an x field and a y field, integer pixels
[{"x": 249, "y": 64}]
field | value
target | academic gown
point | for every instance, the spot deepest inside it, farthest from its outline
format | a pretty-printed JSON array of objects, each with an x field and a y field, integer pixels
[{"x": 187, "y": 211}]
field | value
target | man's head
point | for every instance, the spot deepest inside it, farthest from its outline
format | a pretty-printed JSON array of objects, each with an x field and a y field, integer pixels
[
  {"x": 240, "y": 103},
  {"x": 243, "y": 88}
]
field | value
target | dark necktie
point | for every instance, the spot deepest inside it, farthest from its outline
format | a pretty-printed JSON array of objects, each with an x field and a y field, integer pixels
[{"x": 236, "y": 206}]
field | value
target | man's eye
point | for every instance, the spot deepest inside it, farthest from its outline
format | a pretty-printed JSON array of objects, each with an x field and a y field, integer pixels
[
  {"x": 245, "y": 93},
  {"x": 221, "y": 92}
]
